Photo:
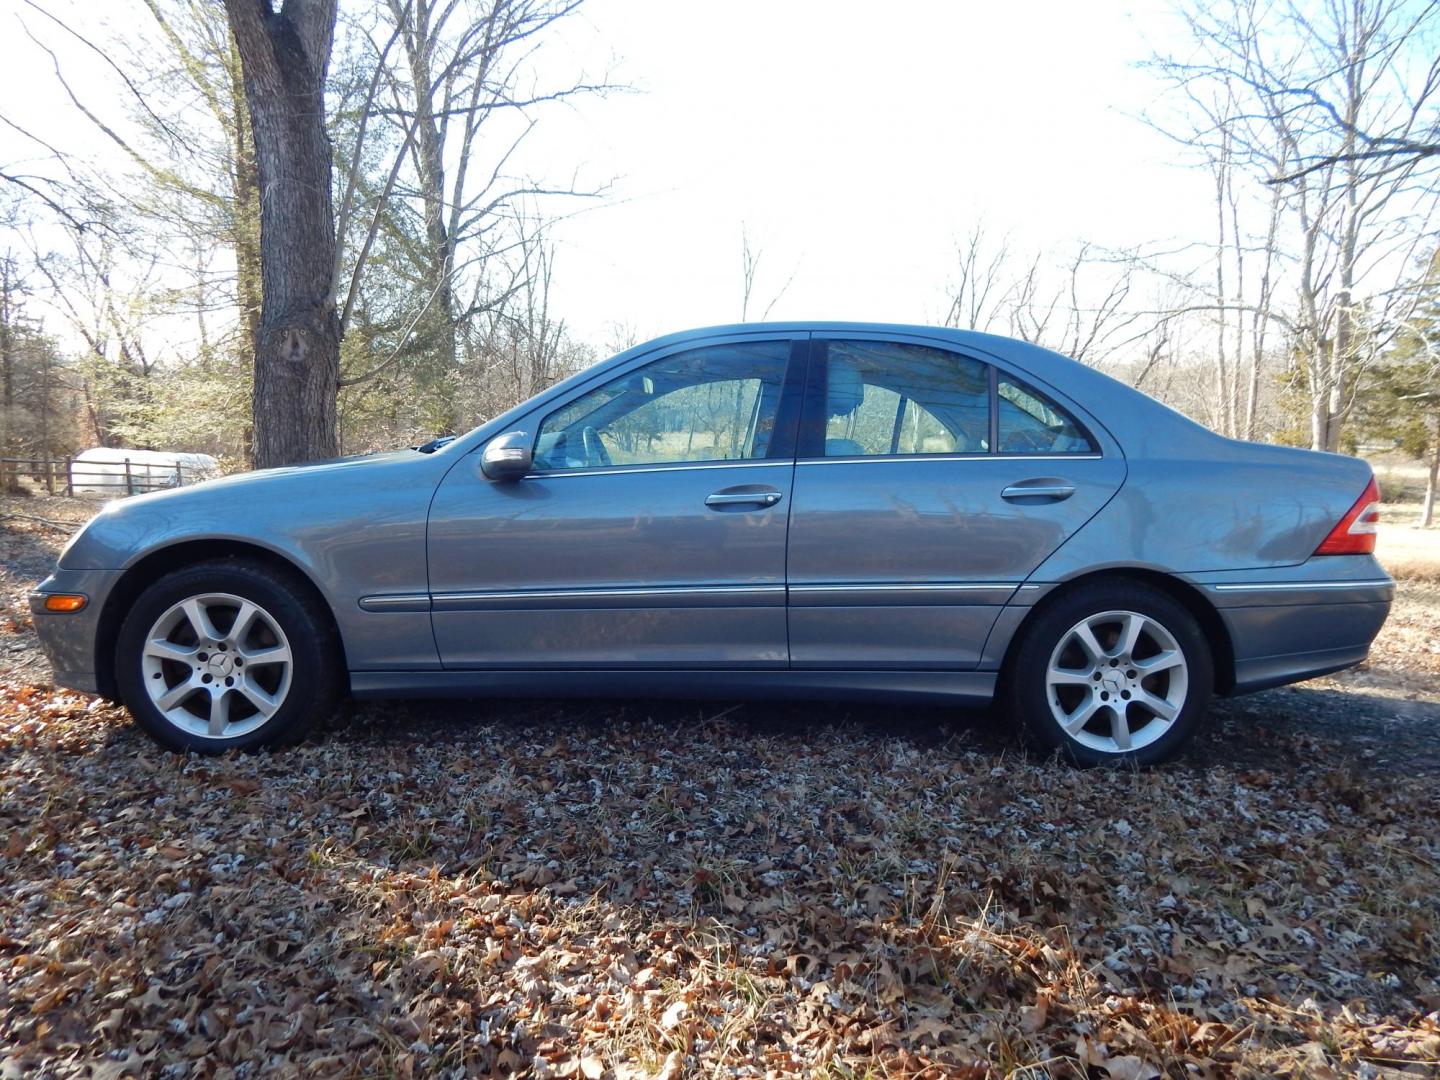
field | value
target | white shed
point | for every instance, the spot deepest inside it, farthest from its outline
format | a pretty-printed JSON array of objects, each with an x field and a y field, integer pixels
[{"x": 103, "y": 471}]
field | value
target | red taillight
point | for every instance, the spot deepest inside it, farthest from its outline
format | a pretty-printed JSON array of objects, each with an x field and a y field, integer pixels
[{"x": 1355, "y": 533}]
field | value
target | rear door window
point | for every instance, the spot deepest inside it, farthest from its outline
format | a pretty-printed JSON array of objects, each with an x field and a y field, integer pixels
[{"x": 891, "y": 398}]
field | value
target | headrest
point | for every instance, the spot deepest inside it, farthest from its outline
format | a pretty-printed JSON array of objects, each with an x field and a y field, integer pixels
[{"x": 845, "y": 389}]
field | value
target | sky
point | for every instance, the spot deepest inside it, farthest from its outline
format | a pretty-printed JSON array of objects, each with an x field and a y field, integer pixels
[{"x": 852, "y": 142}]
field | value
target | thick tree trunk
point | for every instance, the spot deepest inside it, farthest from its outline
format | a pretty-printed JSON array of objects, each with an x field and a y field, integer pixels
[
  {"x": 297, "y": 355},
  {"x": 1325, "y": 425}
]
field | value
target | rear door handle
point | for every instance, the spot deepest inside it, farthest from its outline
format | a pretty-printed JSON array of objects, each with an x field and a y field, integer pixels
[
  {"x": 763, "y": 497},
  {"x": 1046, "y": 488}
]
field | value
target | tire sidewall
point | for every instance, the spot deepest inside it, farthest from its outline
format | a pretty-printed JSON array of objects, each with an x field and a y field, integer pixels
[
  {"x": 1029, "y": 694},
  {"x": 311, "y": 665}
]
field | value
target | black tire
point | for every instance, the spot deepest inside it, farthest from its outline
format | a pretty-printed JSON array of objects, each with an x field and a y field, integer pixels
[
  {"x": 1028, "y": 692},
  {"x": 316, "y": 665}
]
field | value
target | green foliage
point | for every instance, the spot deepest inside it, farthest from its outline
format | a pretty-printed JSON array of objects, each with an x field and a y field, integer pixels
[
  {"x": 1401, "y": 403},
  {"x": 38, "y": 405},
  {"x": 197, "y": 405}
]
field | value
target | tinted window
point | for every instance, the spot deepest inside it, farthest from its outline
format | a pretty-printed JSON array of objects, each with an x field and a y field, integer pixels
[
  {"x": 889, "y": 398},
  {"x": 713, "y": 404},
  {"x": 1030, "y": 423}
]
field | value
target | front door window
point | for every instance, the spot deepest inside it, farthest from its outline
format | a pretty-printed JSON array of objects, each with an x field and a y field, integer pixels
[{"x": 713, "y": 404}]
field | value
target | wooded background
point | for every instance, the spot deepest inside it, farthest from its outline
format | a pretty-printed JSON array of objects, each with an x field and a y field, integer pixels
[{"x": 324, "y": 191}]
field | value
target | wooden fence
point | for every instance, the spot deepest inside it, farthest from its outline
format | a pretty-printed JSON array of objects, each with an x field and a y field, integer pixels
[{"x": 64, "y": 475}]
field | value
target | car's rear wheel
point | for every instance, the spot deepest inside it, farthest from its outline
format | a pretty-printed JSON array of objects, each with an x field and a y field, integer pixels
[
  {"x": 1111, "y": 673},
  {"x": 227, "y": 655}
]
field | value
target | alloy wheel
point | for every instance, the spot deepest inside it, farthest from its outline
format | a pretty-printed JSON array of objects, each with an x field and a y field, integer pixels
[
  {"x": 217, "y": 665},
  {"x": 1116, "y": 681}
]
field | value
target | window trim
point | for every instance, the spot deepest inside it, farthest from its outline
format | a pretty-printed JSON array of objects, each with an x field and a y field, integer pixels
[
  {"x": 781, "y": 449},
  {"x": 810, "y": 447},
  {"x": 1088, "y": 455},
  {"x": 669, "y": 466}
]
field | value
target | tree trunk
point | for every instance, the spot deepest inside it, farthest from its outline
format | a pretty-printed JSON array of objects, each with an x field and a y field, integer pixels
[
  {"x": 442, "y": 353},
  {"x": 1260, "y": 324},
  {"x": 7, "y": 351},
  {"x": 284, "y": 55},
  {"x": 245, "y": 191},
  {"x": 45, "y": 410},
  {"x": 8, "y": 483},
  {"x": 1222, "y": 375},
  {"x": 1427, "y": 508}
]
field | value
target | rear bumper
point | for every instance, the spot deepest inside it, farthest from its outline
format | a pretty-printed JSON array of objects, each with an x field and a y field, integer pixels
[
  {"x": 1272, "y": 671},
  {"x": 1304, "y": 621}
]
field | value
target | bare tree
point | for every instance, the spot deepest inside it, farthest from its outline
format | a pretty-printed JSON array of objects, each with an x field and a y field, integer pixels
[
  {"x": 190, "y": 197},
  {"x": 980, "y": 292},
  {"x": 749, "y": 268},
  {"x": 1081, "y": 306},
  {"x": 1303, "y": 94},
  {"x": 455, "y": 95},
  {"x": 1213, "y": 131},
  {"x": 528, "y": 339},
  {"x": 284, "y": 54},
  {"x": 106, "y": 299},
  {"x": 174, "y": 234},
  {"x": 33, "y": 395},
  {"x": 10, "y": 289}
]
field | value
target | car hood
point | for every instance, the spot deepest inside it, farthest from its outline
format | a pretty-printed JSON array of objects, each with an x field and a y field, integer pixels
[{"x": 266, "y": 502}]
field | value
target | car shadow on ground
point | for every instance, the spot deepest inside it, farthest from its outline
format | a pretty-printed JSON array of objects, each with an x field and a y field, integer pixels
[
  {"x": 446, "y": 720},
  {"x": 1358, "y": 729}
]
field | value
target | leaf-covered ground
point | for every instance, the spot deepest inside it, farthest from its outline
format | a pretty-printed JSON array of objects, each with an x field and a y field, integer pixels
[
  {"x": 601, "y": 893},
  {"x": 634, "y": 889}
]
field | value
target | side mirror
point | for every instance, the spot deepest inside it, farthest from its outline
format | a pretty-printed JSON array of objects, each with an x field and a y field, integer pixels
[{"x": 507, "y": 457}]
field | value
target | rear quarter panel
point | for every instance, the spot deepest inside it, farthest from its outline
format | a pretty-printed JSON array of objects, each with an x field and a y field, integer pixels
[{"x": 1205, "y": 503}]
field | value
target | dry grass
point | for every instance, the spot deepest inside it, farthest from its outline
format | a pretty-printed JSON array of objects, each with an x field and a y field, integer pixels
[{"x": 1409, "y": 553}]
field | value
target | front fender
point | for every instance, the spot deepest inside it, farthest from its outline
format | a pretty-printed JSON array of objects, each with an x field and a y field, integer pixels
[{"x": 355, "y": 528}]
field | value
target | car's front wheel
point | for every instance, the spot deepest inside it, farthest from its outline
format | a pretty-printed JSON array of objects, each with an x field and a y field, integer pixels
[
  {"x": 226, "y": 655},
  {"x": 1110, "y": 673}
]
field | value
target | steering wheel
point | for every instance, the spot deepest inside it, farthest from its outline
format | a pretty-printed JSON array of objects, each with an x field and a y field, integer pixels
[{"x": 595, "y": 452}]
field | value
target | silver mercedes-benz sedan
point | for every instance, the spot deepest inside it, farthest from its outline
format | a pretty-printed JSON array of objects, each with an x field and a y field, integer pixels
[{"x": 829, "y": 511}]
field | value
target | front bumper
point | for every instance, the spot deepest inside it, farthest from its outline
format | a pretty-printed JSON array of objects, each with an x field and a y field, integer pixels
[{"x": 69, "y": 638}]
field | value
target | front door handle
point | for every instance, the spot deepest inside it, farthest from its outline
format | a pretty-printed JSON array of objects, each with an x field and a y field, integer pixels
[
  {"x": 1046, "y": 488},
  {"x": 735, "y": 497}
]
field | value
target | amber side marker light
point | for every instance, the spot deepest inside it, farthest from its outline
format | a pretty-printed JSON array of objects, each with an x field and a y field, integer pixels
[{"x": 65, "y": 602}]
